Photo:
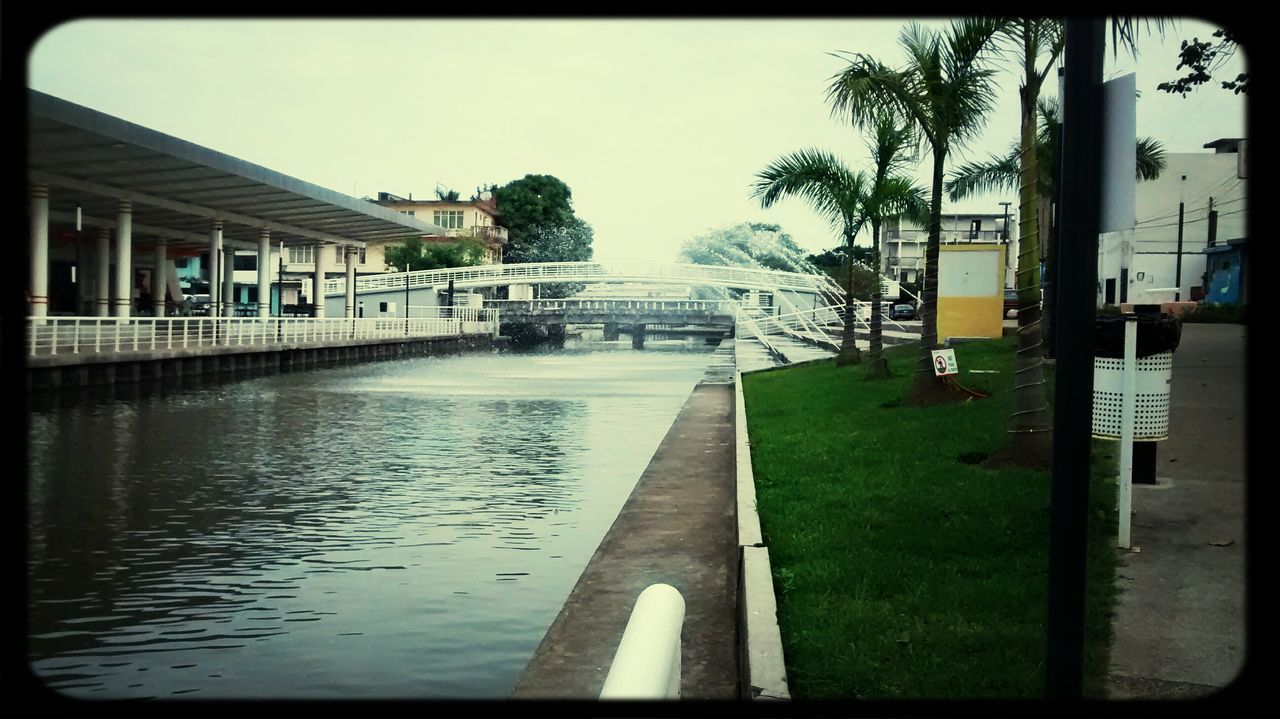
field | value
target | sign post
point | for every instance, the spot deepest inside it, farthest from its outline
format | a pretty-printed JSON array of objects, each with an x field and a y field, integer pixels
[
  {"x": 944, "y": 363},
  {"x": 1128, "y": 411}
]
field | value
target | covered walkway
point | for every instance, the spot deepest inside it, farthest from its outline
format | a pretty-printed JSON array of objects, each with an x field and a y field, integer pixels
[{"x": 102, "y": 188}]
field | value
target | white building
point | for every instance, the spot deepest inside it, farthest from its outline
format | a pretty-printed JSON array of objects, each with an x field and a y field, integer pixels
[
  {"x": 1145, "y": 268},
  {"x": 903, "y": 245}
]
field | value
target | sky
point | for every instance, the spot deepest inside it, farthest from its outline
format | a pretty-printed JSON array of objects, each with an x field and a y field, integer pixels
[{"x": 657, "y": 126}]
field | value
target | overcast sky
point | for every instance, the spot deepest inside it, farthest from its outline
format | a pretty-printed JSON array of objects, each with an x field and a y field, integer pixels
[{"x": 657, "y": 126}]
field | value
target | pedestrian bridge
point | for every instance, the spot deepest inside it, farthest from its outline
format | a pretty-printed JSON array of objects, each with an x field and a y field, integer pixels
[
  {"x": 740, "y": 278},
  {"x": 630, "y": 311}
]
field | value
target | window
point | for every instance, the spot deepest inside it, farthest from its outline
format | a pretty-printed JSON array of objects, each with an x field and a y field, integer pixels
[
  {"x": 301, "y": 254},
  {"x": 361, "y": 259},
  {"x": 406, "y": 212},
  {"x": 245, "y": 262},
  {"x": 449, "y": 219}
]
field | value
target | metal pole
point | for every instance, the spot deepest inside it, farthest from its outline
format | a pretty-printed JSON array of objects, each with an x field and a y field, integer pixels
[
  {"x": 1177, "y": 272},
  {"x": 1127, "y": 413},
  {"x": 1077, "y": 275}
]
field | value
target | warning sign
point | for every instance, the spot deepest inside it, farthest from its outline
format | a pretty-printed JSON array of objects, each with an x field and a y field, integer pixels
[{"x": 944, "y": 363}]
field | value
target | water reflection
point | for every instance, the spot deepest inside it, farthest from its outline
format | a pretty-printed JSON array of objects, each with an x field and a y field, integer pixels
[{"x": 396, "y": 529}]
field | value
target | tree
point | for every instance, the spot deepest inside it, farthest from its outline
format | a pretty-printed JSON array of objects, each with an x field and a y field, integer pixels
[
  {"x": 1204, "y": 59},
  {"x": 447, "y": 195},
  {"x": 833, "y": 191},
  {"x": 568, "y": 243},
  {"x": 748, "y": 244},
  {"x": 415, "y": 254},
  {"x": 529, "y": 205},
  {"x": 946, "y": 93}
]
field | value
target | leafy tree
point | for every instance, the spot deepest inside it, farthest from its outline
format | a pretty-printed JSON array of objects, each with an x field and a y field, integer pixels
[
  {"x": 946, "y": 93},
  {"x": 415, "y": 254},
  {"x": 567, "y": 243},
  {"x": 833, "y": 260},
  {"x": 447, "y": 195},
  {"x": 749, "y": 244},
  {"x": 1203, "y": 60},
  {"x": 530, "y": 206}
]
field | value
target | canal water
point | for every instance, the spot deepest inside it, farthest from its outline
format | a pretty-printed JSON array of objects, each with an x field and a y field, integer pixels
[{"x": 392, "y": 530}]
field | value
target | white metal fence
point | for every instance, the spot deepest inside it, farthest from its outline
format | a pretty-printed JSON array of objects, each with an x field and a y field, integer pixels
[
  {"x": 714, "y": 306},
  {"x": 84, "y": 335}
]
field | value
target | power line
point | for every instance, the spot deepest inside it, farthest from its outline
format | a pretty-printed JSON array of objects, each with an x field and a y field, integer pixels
[
  {"x": 1187, "y": 222},
  {"x": 1206, "y": 195}
]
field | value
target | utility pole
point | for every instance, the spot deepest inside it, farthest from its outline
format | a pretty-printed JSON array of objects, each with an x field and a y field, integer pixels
[
  {"x": 1177, "y": 272},
  {"x": 1213, "y": 224},
  {"x": 1077, "y": 270},
  {"x": 1005, "y": 239}
]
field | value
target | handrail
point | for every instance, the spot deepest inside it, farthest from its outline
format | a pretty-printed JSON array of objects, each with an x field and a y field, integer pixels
[
  {"x": 647, "y": 663},
  {"x": 49, "y": 336}
]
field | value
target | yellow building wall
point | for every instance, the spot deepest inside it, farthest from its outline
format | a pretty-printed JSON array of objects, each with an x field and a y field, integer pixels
[{"x": 977, "y": 308}]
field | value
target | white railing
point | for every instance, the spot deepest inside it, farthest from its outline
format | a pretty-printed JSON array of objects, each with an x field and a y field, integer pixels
[
  {"x": 86, "y": 335},
  {"x": 605, "y": 305},
  {"x": 647, "y": 664},
  {"x": 504, "y": 274}
]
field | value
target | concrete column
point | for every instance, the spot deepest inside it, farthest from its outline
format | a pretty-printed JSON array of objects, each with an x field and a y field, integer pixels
[
  {"x": 102, "y": 269},
  {"x": 38, "y": 304},
  {"x": 317, "y": 281},
  {"x": 611, "y": 331},
  {"x": 215, "y": 268},
  {"x": 264, "y": 272},
  {"x": 122, "y": 298},
  {"x": 637, "y": 336},
  {"x": 351, "y": 282},
  {"x": 159, "y": 282},
  {"x": 228, "y": 281}
]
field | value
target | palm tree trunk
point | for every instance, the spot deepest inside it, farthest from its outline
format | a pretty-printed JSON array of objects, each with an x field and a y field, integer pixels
[
  {"x": 927, "y": 388},
  {"x": 877, "y": 368},
  {"x": 849, "y": 353},
  {"x": 1030, "y": 424}
]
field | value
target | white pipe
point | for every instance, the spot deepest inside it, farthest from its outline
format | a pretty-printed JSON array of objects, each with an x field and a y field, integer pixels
[
  {"x": 647, "y": 665},
  {"x": 1128, "y": 410}
]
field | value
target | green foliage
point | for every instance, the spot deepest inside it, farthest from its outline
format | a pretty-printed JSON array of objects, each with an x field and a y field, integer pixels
[
  {"x": 537, "y": 211},
  {"x": 748, "y": 244},
  {"x": 833, "y": 259},
  {"x": 447, "y": 195},
  {"x": 415, "y": 254},
  {"x": 1203, "y": 59}
]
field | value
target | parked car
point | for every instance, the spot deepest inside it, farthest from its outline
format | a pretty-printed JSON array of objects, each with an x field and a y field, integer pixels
[
  {"x": 902, "y": 312},
  {"x": 1011, "y": 304}
]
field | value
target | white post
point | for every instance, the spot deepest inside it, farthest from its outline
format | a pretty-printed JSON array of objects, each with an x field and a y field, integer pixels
[
  {"x": 102, "y": 268},
  {"x": 38, "y": 304},
  {"x": 317, "y": 281},
  {"x": 123, "y": 298},
  {"x": 351, "y": 282},
  {"x": 228, "y": 282},
  {"x": 158, "y": 281},
  {"x": 264, "y": 273},
  {"x": 215, "y": 269},
  {"x": 1127, "y": 412},
  {"x": 647, "y": 664}
]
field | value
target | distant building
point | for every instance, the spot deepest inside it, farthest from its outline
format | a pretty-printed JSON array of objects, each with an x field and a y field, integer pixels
[
  {"x": 471, "y": 219},
  {"x": 903, "y": 243},
  {"x": 1212, "y": 189}
]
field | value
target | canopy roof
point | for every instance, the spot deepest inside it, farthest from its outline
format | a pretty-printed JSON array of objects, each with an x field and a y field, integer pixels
[{"x": 178, "y": 189}]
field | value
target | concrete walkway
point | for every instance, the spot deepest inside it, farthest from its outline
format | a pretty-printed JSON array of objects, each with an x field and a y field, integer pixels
[
  {"x": 679, "y": 527},
  {"x": 1179, "y": 630}
]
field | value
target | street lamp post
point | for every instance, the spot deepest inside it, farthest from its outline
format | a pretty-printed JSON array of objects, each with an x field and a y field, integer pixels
[{"x": 1004, "y": 239}]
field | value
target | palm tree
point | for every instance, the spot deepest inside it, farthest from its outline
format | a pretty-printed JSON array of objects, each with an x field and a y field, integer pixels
[
  {"x": 891, "y": 194},
  {"x": 835, "y": 192},
  {"x": 946, "y": 93}
]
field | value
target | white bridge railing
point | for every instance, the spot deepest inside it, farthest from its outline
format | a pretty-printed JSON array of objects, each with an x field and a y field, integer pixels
[
  {"x": 539, "y": 272},
  {"x": 84, "y": 335},
  {"x": 605, "y": 305}
]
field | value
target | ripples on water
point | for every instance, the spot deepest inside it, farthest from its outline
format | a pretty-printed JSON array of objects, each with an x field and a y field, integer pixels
[{"x": 399, "y": 529}]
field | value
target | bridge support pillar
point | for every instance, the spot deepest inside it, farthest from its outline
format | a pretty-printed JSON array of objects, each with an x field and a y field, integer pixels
[
  {"x": 637, "y": 336},
  {"x": 610, "y": 331}
]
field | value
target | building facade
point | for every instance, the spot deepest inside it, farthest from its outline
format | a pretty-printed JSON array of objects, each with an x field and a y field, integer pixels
[
  {"x": 903, "y": 243},
  {"x": 1200, "y": 197},
  {"x": 470, "y": 219}
]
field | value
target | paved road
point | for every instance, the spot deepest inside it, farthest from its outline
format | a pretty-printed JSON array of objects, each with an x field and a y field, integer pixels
[{"x": 1179, "y": 630}]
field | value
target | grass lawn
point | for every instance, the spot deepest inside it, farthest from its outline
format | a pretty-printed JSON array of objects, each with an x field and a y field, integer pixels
[{"x": 901, "y": 569}]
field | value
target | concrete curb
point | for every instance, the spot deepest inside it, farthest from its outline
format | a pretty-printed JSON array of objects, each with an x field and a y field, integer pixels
[{"x": 763, "y": 671}]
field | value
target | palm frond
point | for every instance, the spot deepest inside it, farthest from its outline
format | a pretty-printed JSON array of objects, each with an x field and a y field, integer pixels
[
  {"x": 973, "y": 178},
  {"x": 1151, "y": 160},
  {"x": 1124, "y": 31},
  {"x": 821, "y": 179}
]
